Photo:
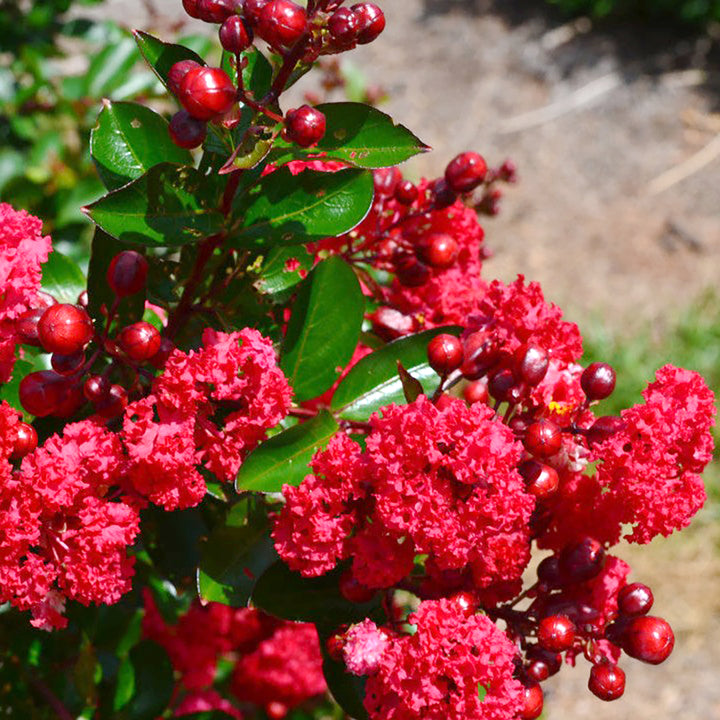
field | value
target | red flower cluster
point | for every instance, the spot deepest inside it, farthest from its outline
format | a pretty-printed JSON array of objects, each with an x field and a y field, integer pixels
[
  {"x": 277, "y": 664},
  {"x": 63, "y": 535},
  {"x": 23, "y": 249},
  {"x": 648, "y": 470},
  {"x": 455, "y": 666},
  {"x": 438, "y": 482},
  {"x": 174, "y": 429},
  {"x": 71, "y": 511}
]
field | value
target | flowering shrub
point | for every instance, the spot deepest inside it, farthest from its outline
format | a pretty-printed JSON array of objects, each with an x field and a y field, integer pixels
[{"x": 287, "y": 439}]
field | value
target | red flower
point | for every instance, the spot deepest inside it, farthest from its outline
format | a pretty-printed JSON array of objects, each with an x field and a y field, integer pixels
[{"x": 439, "y": 672}]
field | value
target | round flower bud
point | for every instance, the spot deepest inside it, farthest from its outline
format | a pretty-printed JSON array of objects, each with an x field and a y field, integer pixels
[
  {"x": 177, "y": 72},
  {"x": 649, "y": 639},
  {"x": 305, "y": 126},
  {"x": 543, "y": 439},
  {"x": 65, "y": 329},
  {"x": 71, "y": 401},
  {"x": 533, "y": 701},
  {"x": 127, "y": 273},
  {"x": 635, "y": 599},
  {"x": 96, "y": 388},
  {"x": 139, "y": 341},
  {"x": 603, "y": 428},
  {"x": 465, "y": 172},
  {"x": 598, "y": 381},
  {"x": 114, "y": 403},
  {"x": 607, "y": 681},
  {"x": 386, "y": 181},
  {"x": 556, "y": 633},
  {"x": 235, "y": 35},
  {"x": 502, "y": 385},
  {"x": 406, "y": 193},
  {"x": 186, "y": 131},
  {"x": 26, "y": 327},
  {"x": 344, "y": 26},
  {"x": 216, "y": 11},
  {"x": 26, "y": 441},
  {"x": 442, "y": 194},
  {"x": 542, "y": 481},
  {"x": 282, "y": 23},
  {"x": 440, "y": 250},
  {"x": 252, "y": 10},
  {"x": 207, "y": 92},
  {"x": 191, "y": 8},
  {"x": 583, "y": 560},
  {"x": 445, "y": 353},
  {"x": 531, "y": 364},
  {"x": 42, "y": 392},
  {"x": 67, "y": 364},
  {"x": 371, "y": 21},
  {"x": 476, "y": 391}
]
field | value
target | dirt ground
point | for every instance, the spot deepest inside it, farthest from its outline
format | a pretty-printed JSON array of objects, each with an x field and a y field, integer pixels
[{"x": 616, "y": 214}]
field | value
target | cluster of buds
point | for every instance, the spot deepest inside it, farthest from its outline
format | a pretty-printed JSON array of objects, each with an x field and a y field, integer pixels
[
  {"x": 296, "y": 33},
  {"x": 66, "y": 331}
]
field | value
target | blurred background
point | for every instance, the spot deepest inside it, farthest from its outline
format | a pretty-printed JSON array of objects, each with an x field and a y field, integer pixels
[{"x": 611, "y": 111}]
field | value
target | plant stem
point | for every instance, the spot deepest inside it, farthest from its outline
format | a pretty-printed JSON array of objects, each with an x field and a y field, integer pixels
[
  {"x": 50, "y": 698},
  {"x": 184, "y": 307}
]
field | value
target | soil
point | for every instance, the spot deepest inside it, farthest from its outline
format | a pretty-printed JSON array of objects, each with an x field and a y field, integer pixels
[{"x": 595, "y": 118}]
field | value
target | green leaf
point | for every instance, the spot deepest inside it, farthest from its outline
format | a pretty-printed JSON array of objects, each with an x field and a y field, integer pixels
[
  {"x": 104, "y": 248},
  {"x": 161, "y": 56},
  {"x": 128, "y": 140},
  {"x": 358, "y": 134},
  {"x": 286, "y": 594},
  {"x": 283, "y": 209},
  {"x": 275, "y": 278},
  {"x": 324, "y": 328},
  {"x": 33, "y": 359},
  {"x": 62, "y": 278},
  {"x": 375, "y": 382},
  {"x": 284, "y": 458},
  {"x": 168, "y": 206},
  {"x": 233, "y": 558},
  {"x": 147, "y": 679},
  {"x": 347, "y": 690}
]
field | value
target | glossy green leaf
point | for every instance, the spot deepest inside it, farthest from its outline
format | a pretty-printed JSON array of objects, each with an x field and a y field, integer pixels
[
  {"x": 161, "y": 56},
  {"x": 167, "y": 206},
  {"x": 347, "y": 690},
  {"x": 62, "y": 278},
  {"x": 286, "y": 594},
  {"x": 275, "y": 274},
  {"x": 375, "y": 381},
  {"x": 103, "y": 250},
  {"x": 325, "y": 323},
  {"x": 32, "y": 360},
  {"x": 128, "y": 140},
  {"x": 283, "y": 209},
  {"x": 148, "y": 680},
  {"x": 358, "y": 134},
  {"x": 233, "y": 558},
  {"x": 284, "y": 458}
]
